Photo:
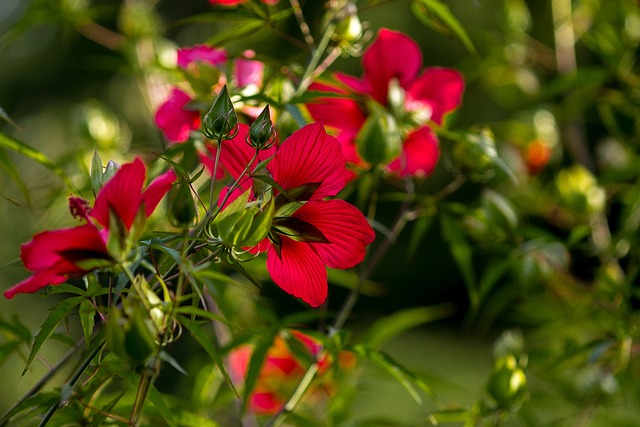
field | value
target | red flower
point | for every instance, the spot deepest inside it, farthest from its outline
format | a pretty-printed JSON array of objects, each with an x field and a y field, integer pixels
[
  {"x": 281, "y": 371},
  {"x": 175, "y": 121},
  {"x": 320, "y": 233},
  {"x": 57, "y": 255},
  {"x": 428, "y": 96},
  {"x": 124, "y": 196}
]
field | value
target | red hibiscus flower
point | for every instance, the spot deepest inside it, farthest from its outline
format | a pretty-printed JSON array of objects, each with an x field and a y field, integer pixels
[
  {"x": 175, "y": 121},
  {"x": 428, "y": 96},
  {"x": 281, "y": 372},
  {"x": 320, "y": 233},
  {"x": 58, "y": 255}
]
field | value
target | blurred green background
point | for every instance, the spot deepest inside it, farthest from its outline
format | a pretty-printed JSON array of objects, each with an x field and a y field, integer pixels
[{"x": 75, "y": 76}]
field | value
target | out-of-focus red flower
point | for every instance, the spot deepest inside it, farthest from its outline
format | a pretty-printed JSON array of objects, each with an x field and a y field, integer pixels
[
  {"x": 282, "y": 371},
  {"x": 201, "y": 53},
  {"x": 58, "y": 255},
  {"x": 428, "y": 96},
  {"x": 320, "y": 233},
  {"x": 174, "y": 119},
  {"x": 537, "y": 155}
]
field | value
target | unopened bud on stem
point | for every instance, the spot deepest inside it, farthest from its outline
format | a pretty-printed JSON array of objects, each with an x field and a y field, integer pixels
[
  {"x": 221, "y": 122},
  {"x": 262, "y": 134}
]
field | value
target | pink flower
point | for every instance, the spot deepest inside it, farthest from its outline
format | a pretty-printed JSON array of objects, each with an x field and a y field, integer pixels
[
  {"x": 201, "y": 53},
  {"x": 58, "y": 255},
  {"x": 175, "y": 121},
  {"x": 428, "y": 96},
  {"x": 320, "y": 233},
  {"x": 248, "y": 71}
]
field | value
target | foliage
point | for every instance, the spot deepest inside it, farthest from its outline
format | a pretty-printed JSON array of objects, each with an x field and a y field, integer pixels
[{"x": 496, "y": 186}]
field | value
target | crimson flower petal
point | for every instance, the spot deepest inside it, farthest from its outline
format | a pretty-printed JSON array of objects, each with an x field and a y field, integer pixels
[
  {"x": 344, "y": 226},
  {"x": 33, "y": 283},
  {"x": 298, "y": 271},
  {"x": 439, "y": 88},
  {"x": 122, "y": 193},
  {"x": 339, "y": 113},
  {"x": 358, "y": 85},
  {"x": 419, "y": 155},
  {"x": 310, "y": 155},
  {"x": 392, "y": 55},
  {"x": 53, "y": 256},
  {"x": 156, "y": 191},
  {"x": 174, "y": 120}
]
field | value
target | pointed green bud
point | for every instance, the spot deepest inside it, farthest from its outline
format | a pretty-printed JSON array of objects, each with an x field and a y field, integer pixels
[
  {"x": 262, "y": 133},
  {"x": 221, "y": 122},
  {"x": 379, "y": 141}
]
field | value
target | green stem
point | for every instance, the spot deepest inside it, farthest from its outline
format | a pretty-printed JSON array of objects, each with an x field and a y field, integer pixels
[{"x": 76, "y": 376}]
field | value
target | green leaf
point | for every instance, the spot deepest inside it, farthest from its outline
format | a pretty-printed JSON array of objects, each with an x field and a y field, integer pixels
[
  {"x": 390, "y": 326},
  {"x": 11, "y": 170},
  {"x": 87, "y": 314},
  {"x": 97, "y": 172},
  {"x": 462, "y": 254},
  {"x": 59, "y": 312},
  {"x": 207, "y": 343},
  {"x": 20, "y": 147},
  {"x": 258, "y": 356},
  {"x": 413, "y": 384},
  {"x": 436, "y": 15},
  {"x": 420, "y": 228},
  {"x": 156, "y": 400}
]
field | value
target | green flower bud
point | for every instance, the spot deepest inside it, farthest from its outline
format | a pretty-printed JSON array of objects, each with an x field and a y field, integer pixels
[
  {"x": 262, "y": 133},
  {"x": 379, "y": 140},
  {"x": 221, "y": 122}
]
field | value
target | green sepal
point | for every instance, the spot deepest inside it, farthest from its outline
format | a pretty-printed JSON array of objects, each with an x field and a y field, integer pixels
[
  {"x": 379, "y": 140},
  {"x": 299, "y": 230}
]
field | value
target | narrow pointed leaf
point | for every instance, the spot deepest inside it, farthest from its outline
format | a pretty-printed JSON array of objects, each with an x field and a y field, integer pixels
[{"x": 59, "y": 312}]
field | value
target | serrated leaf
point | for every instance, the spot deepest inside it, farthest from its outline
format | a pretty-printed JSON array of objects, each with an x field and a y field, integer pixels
[
  {"x": 436, "y": 15},
  {"x": 462, "y": 255},
  {"x": 58, "y": 312},
  {"x": 390, "y": 326},
  {"x": 87, "y": 314}
]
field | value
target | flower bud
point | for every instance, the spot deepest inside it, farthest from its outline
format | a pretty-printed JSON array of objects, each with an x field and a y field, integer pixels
[
  {"x": 349, "y": 29},
  {"x": 262, "y": 133},
  {"x": 221, "y": 122},
  {"x": 182, "y": 209}
]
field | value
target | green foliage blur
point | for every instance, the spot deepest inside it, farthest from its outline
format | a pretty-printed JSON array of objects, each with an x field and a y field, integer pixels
[{"x": 511, "y": 297}]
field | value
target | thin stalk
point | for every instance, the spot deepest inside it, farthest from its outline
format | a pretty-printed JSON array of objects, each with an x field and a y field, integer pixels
[
  {"x": 215, "y": 172},
  {"x": 141, "y": 396},
  {"x": 74, "y": 379},
  {"x": 304, "y": 28},
  {"x": 307, "y": 76},
  {"x": 44, "y": 380}
]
